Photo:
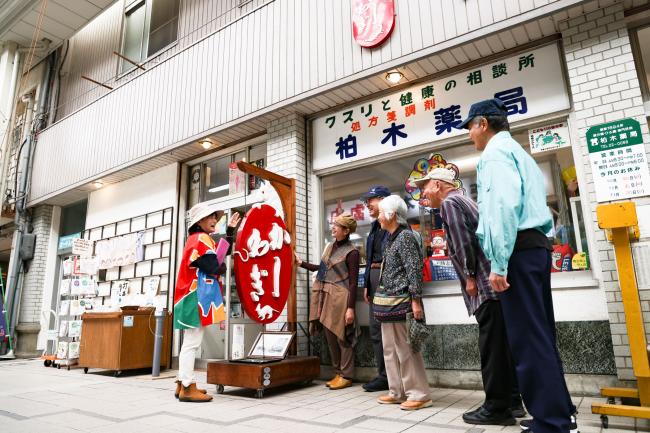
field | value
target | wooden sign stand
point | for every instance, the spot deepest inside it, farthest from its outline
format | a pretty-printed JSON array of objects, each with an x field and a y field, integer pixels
[{"x": 294, "y": 369}]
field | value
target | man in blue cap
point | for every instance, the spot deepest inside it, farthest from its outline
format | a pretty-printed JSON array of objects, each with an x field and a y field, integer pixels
[
  {"x": 513, "y": 222},
  {"x": 374, "y": 255}
]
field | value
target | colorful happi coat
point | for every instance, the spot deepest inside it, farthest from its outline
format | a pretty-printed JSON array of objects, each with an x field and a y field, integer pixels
[{"x": 197, "y": 299}]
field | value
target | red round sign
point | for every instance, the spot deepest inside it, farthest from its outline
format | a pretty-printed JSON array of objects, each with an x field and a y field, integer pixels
[
  {"x": 263, "y": 263},
  {"x": 372, "y": 21}
]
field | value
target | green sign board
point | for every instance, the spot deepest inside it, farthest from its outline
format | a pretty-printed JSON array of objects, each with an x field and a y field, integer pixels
[
  {"x": 612, "y": 135},
  {"x": 65, "y": 242}
]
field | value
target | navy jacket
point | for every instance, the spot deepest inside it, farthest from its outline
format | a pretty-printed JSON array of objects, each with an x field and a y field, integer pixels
[{"x": 369, "y": 245}]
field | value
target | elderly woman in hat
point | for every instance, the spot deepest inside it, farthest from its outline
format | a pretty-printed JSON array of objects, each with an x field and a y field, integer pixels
[
  {"x": 398, "y": 294},
  {"x": 334, "y": 295},
  {"x": 197, "y": 296}
]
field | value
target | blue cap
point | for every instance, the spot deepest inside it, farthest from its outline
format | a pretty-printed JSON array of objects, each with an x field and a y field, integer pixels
[
  {"x": 489, "y": 107},
  {"x": 376, "y": 191}
]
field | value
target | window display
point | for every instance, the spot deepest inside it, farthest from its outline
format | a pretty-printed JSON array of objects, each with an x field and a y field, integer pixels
[{"x": 342, "y": 192}]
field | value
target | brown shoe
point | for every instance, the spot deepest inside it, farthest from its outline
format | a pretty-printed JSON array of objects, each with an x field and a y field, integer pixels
[
  {"x": 415, "y": 405},
  {"x": 193, "y": 395},
  {"x": 389, "y": 399},
  {"x": 179, "y": 385},
  {"x": 340, "y": 383},
  {"x": 332, "y": 380}
]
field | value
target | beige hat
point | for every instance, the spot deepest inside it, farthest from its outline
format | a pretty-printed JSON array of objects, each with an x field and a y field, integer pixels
[
  {"x": 440, "y": 173},
  {"x": 346, "y": 221},
  {"x": 200, "y": 211}
]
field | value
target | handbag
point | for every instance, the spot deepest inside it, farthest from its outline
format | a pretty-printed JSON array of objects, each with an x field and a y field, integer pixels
[
  {"x": 390, "y": 308},
  {"x": 417, "y": 331}
]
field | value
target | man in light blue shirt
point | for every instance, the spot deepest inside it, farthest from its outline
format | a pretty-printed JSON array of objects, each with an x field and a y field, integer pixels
[{"x": 513, "y": 222}]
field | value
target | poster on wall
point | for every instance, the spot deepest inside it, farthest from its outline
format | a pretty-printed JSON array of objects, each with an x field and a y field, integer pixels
[
  {"x": 549, "y": 137},
  {"x": 618, "y": 160},
  {"x": 432, "y": 111},
  {"x": 82, "y": 247},
  {"x": 120, "y": 251}
]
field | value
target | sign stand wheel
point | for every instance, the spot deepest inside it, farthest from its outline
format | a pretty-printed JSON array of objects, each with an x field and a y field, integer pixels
[
  {"x": 219, "y": 389},
  {"x": 259, "y": 393}
]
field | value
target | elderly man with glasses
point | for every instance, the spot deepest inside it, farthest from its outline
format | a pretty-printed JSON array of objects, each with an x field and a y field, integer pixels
[{"x": 513, "y": 222}]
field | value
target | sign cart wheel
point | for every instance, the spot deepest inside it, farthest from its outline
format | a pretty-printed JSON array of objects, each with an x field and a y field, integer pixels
[
  {"x": 85, "y": 370},
  {"x": 117, "y": 373},
  {"x": 219, "y": 389},
  {"x": 604, "y": 421},
  {"x": 259, "y": 393}
]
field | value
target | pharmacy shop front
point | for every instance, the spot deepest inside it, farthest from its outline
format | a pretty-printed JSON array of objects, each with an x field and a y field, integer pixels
[{"x": 403, "y": 133}]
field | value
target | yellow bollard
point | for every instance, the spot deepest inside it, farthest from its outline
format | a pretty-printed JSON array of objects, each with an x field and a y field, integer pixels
[{"x": 620, "y": 221}]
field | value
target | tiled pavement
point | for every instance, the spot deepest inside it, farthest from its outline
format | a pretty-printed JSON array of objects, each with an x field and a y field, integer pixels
[{"x": 38, "y": 399}]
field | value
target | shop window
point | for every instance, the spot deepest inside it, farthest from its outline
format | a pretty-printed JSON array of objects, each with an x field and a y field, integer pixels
[
  {"x": 216, "y": 178},
  {"x": 149, "y": 26},
  {"x": 342, "y": 193},
  {"x": 73, "y": 218}
]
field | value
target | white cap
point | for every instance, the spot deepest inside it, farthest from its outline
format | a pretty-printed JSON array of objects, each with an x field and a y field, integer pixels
[
  {"x": 440, "y": 173},
  {"x": 200, "y": 211}
]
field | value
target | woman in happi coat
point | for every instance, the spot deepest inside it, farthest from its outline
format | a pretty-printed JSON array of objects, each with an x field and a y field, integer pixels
[
  {"x": 334, "y": 295},
  {"x": 197, "y": 298}
]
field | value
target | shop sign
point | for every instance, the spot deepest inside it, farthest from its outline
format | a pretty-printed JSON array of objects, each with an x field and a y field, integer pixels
[
  {"x": 549, "y": 137},
  {"x": 372, "y": 21},
  {"x": 65, "y": 242},
  {"x": 530, "y": 84},
  {"x": 82, "y": 247},
  {"x": 263, "y": 263},
  {"x": 618, "y": 160}
]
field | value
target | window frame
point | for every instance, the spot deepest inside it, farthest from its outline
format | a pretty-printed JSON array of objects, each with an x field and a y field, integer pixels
[{"x": 131, "y": 5}]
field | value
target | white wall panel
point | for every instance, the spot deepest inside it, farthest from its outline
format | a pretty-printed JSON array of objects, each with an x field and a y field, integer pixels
[{"x": 249, "y": 59}]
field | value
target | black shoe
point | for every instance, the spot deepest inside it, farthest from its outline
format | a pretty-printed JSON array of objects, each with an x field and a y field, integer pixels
[
  {"x": 377, "y": 384},
  {"x": 527, "y": 424},
  {"x": 518, "y": 411},
  {"x": 482, "y": 416}
]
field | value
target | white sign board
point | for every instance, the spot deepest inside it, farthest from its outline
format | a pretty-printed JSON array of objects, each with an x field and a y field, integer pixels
[
  {"x": 82, "y": 247},
  {"x": 618, "y": 160},
  {"x": 530, "y": 83},
  {"x": 549, "y": 137}
]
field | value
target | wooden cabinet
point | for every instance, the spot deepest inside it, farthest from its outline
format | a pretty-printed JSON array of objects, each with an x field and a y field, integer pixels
[{"x": 122, "y": 340}]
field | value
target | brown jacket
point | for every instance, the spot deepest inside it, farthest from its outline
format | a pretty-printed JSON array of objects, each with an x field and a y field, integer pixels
[{"x": 329, "y": 299}]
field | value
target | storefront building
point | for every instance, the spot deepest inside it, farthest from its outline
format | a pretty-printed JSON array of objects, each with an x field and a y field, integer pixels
[{"x": 285, "y": 86}]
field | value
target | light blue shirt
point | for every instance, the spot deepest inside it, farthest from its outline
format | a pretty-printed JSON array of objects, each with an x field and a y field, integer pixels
[{"x": 511, "y": 198}]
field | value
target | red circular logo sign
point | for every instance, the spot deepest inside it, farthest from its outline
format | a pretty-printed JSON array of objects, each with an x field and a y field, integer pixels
[
  {"x": 263, "y": 263},
  {"x": 372, "y": 21}
]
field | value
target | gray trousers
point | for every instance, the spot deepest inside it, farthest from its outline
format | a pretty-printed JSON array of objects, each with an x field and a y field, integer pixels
[{"x": 375, "y": 328}]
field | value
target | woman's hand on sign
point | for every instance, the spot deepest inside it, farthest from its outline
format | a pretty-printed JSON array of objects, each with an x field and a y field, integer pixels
[
  {"x": 349, "y": 316},
  {"x": 297, "y": 259},
  {"x": 234, "y": 220},
  {"x": 416, "y": 306}
]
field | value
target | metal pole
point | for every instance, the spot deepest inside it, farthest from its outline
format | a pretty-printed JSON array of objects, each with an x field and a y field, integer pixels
[{"x": 157, "y": 342}]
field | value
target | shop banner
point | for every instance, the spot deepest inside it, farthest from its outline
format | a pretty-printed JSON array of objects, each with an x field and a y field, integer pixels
[
  {"x": 530, "y": 84},
  {"x": 120, "y": 251},
  {"x": 618, "y": 160},
  {"x": 65, "y": 242},
  {"x": 549, "y": 137}
]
